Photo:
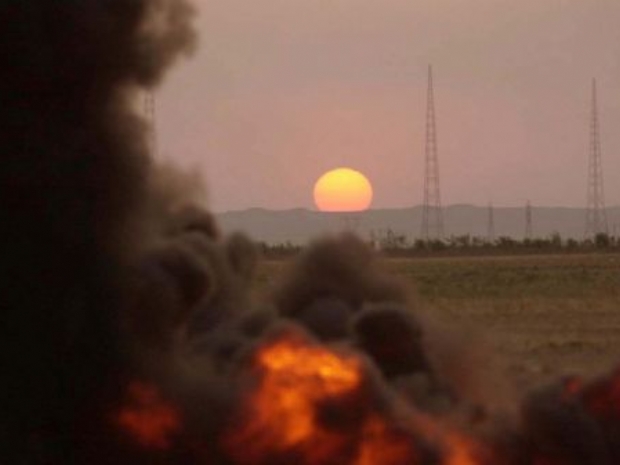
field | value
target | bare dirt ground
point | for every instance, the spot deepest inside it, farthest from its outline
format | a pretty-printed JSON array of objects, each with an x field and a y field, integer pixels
[{"x": 545, "y": 316}]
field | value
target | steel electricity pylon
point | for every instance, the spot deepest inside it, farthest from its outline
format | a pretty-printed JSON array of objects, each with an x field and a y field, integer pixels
[
  {"x": 528, "y": 221},
  {"x": 596, "y": 217},
  {"x": 432, "y": 217},
  {"x": 491, "y": 224}
]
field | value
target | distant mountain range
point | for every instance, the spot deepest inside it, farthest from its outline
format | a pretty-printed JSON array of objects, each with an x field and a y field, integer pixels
[{"x": 297, "y": 226}]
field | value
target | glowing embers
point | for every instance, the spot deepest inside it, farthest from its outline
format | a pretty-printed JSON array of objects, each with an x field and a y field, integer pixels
[
  {"x": 148, "y": 418},
  {"x": 312, "y": 406},
  {"x": 575, "y": 422},
  {"x": 602, "y": 398},
  {"x": 379, "y": 445}
]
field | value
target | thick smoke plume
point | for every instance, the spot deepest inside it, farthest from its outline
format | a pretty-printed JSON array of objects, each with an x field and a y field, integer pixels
[
  {"x": 72, "y": 182},
  {"x": 129, "y": 331}
]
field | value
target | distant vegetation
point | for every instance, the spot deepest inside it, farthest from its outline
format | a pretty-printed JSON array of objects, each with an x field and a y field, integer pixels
[
  {"x": 276, "y": 251},
  {"x": 398, "y": 245}
]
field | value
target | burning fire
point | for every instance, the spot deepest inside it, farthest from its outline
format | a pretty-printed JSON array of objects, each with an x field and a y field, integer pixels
[
  {"x": 295, "y": 377},
  {"x": 311, "y": 404},
  {"x": 314, "y": 406},
  {"x": 149, "y": 419},
  {"x": 380, "y": 446},
  {"x": 456, "y": 447}
]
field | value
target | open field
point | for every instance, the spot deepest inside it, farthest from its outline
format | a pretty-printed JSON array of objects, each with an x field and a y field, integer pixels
[{"x": 543, "y": 315}]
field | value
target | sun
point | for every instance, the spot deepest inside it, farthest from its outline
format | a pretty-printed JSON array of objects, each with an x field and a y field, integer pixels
[{"x": 342, "y": 190}]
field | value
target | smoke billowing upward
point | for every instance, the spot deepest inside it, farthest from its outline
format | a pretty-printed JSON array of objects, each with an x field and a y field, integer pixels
[
  {"x": 72, "y": 181},
  {"x": 129, "y": 334}
]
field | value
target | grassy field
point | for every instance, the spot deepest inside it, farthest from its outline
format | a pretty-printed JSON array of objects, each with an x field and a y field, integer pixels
[{"x": 542, "y": 315}]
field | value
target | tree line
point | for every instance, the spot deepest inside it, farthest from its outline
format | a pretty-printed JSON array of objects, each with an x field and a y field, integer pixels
[{"x": 394, "y": 244}]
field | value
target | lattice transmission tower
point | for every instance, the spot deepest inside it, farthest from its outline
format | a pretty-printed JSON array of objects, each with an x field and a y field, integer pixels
[
  {"x": 150, "y": 116},
  {"x": 528, "y": 221},
  {"x": 596, "y": 217},
  {"x": 432, "y": 217},
  {"x": 491, "y": 224}
]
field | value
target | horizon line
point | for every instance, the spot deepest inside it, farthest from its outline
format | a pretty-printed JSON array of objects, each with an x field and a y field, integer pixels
[{"x": 485, "y": 206}]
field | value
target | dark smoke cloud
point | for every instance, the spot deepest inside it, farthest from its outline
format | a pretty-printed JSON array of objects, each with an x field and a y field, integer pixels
[
  {"x": 343, "y": 268},
  {"x": 72, "y": 181},
  {"x": 175, "y": 202},
  {"x": 188, "y": 285},
  {"x": 128, "y": 331}
]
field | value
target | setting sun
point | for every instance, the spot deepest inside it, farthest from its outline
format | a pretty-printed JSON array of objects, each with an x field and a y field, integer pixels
[{"x": 342, "y": 190}]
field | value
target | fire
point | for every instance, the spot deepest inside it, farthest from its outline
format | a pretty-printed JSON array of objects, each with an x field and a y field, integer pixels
[
  {"x": 294, "y": 378},
  {"x": 147, "y": 417},
  {"x": 380, "y": 446},
  {"x": 297, "y": 377},
  {"x": 457, "y": 448},
  {"x": 283, "y": 418},
  {"x": 461, "y": 450}
]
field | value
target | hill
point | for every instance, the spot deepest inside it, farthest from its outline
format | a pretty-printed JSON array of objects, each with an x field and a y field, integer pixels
[{"x": 297, "y": 226}]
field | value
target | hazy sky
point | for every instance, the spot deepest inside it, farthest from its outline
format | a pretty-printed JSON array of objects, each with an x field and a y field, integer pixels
[{"x": 280, "y": 91}]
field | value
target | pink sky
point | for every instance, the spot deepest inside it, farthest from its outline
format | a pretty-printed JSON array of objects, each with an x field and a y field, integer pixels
[{"x": 279, "y": 91}]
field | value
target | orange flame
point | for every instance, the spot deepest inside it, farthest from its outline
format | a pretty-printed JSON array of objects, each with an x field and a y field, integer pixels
[
  {"x": 281, "y": 419},
  {"x": 294, "y": 377},
  {"x": 380, "y": 446},
  {"x": 297, "y": 377},
  {"x": 147, "y": 417},
  {"x": 457, "y": 448},
  {"x": 461, "y": 450}
]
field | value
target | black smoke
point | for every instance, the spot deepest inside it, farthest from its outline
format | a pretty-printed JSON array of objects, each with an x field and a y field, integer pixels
[
  {"x": 73, "y": 171},
  {"x": 117, "y": 292}
]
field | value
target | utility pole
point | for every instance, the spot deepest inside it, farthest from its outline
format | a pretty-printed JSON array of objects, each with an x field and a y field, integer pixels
[
  {"x": 432, "y": 218},
  {"x": 596, "y": 217}
]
